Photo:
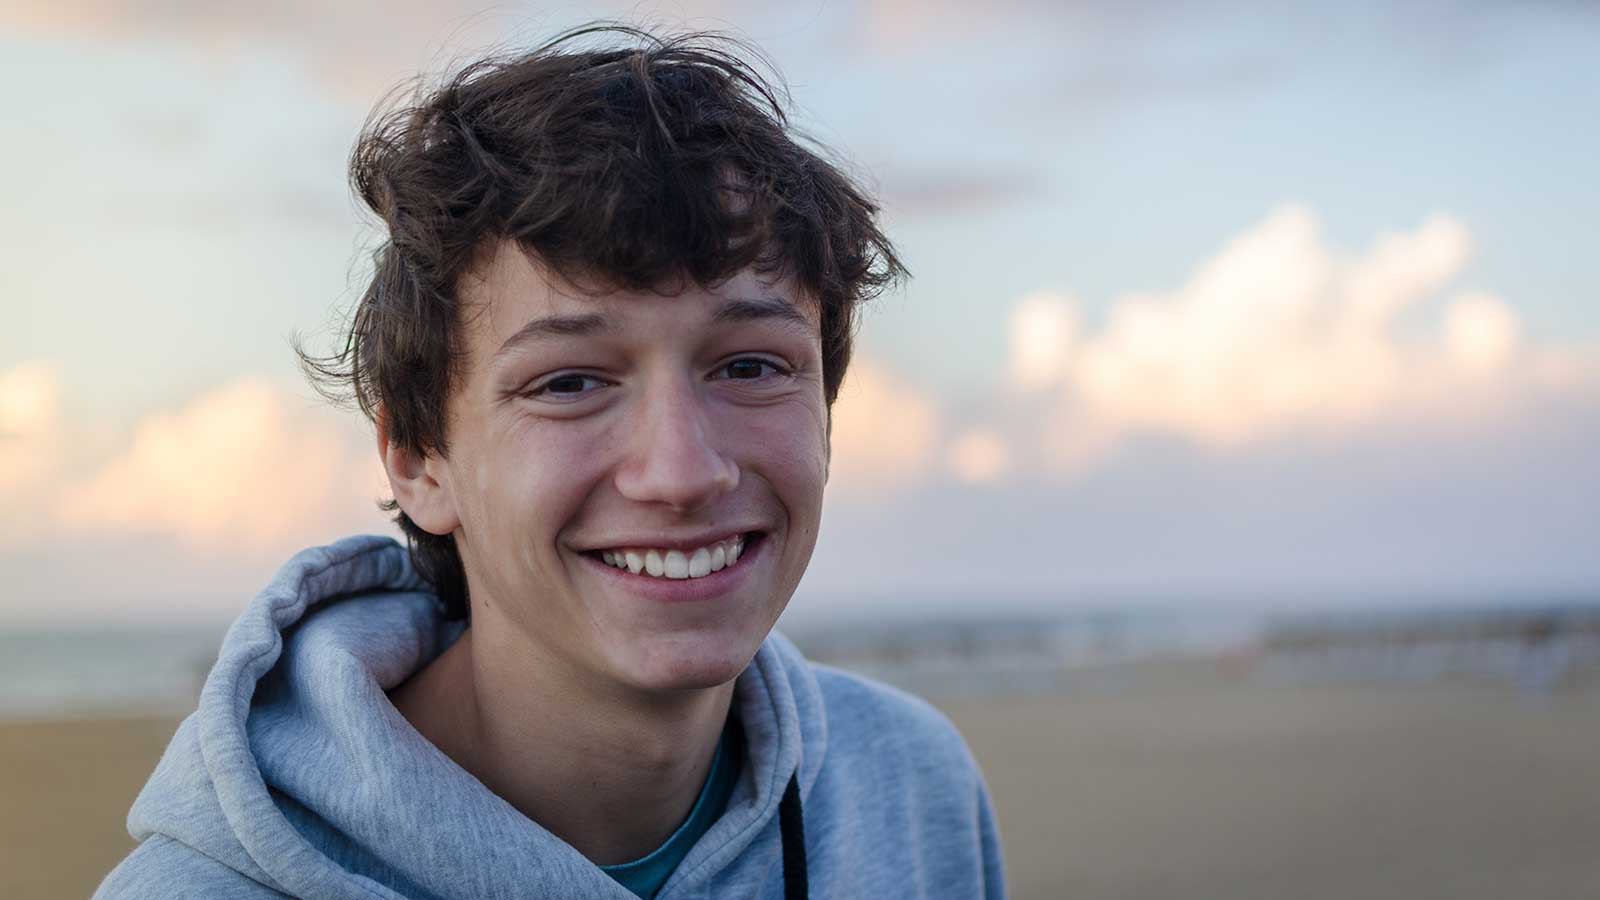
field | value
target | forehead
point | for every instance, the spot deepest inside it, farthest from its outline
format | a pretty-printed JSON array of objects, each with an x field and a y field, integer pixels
[{"x": 511, "y": 290}]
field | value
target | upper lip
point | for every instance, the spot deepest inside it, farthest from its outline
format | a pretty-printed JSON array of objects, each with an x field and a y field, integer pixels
[{"x": 664, "y": 542}]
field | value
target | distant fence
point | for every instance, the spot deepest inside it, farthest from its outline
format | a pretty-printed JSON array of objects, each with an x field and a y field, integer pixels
[{"x": 1538, "y": 650}]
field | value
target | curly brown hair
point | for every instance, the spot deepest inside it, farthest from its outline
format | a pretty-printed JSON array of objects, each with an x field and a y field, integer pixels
[{"x": 617, "y": 158}]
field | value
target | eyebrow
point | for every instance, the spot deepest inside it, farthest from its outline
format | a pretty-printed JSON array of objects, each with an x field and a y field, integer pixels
[
  {"x": 764, "y": 308},
  {"x": 549, "y": 327}
]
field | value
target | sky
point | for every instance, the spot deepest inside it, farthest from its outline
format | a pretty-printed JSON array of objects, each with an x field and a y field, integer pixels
[{"x": 1281, "y": 306}]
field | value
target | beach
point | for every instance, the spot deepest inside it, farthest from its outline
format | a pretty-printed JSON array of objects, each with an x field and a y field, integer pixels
[
  {"x": 1182, "y": 786},
  {"x": 1251, "y": 791}
]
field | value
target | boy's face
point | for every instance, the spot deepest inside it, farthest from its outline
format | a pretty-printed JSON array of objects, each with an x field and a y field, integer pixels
[{"x": 593, "y": 431}]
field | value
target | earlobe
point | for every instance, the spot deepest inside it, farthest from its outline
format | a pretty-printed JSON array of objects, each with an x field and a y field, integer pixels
[{"x": 415, "y": 478}]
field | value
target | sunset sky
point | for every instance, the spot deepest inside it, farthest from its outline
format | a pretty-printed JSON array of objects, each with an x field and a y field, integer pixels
[{"x": 1281, "y": 306}]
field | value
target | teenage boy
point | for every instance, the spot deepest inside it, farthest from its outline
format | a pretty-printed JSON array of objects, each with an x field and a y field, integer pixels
[{"x": 599, "y": 350}]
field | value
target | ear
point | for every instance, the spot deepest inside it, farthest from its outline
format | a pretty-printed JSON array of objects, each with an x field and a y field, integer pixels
[{"x": 420, "y": 483}]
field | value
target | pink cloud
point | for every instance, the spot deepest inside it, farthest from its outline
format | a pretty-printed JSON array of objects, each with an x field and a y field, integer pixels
[
  {"x": 1278, "y": 333},
  {"x": 30, "y": 427},
  {"x": 246, "y": 464},
  {"x": 885, "y": 432}
]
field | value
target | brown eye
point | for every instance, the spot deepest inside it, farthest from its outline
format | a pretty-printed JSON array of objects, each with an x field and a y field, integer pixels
[
  {"x": 566, "y": 384},
  {"x": 745, "y": 369}
]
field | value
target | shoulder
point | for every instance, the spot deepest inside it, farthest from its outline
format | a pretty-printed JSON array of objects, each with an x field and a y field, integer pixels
[
  {"x": 889, "y": 727},
  {"x": 165, "y": 868},
  {"x": 898, "y": 796}
]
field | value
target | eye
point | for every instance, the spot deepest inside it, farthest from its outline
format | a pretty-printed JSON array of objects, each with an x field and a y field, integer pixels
[
  {"x": 566, "y": 386},
  {"x": 750, "y": 368}
]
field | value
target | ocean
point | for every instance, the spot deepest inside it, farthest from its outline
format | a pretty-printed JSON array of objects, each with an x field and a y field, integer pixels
[{"x": 63, "y": 674}]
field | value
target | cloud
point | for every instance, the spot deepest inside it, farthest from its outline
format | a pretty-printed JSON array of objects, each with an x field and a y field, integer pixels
[
  {"x": 979, "y": 455},
  {"x": 357, "y": 49},
  {"x": 962, "y": 189},
  {"x": 1041, "y": 325},
  {"x": 30, "y": 401},
  {"x": 341, "y": 44},
  {"x": 1276, "y": 337},
  {"x": 1278, "y": 334},
  {"x": 885, "y": 431},
  {"x": 1481, "y": 333},
  {"x": 246, "y": 464},
  {"x": 185, "y": 512}
]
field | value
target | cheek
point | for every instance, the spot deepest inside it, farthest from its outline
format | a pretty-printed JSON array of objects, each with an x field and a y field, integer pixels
[
  {"x": 788, "y": 446},
  {"x": 531, "y": 479}
]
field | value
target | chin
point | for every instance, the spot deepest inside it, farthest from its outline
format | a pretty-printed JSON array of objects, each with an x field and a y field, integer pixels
[{"x": 687, "y": 663}]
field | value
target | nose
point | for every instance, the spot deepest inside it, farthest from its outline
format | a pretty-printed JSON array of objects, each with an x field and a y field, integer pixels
[{"x": 673, "y": 456}]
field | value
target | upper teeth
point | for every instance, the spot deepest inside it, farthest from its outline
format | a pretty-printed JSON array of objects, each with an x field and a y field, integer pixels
[{"x": 696, "y": 563}]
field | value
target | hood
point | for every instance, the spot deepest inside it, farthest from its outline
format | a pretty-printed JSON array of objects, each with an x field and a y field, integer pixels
[{"x": 297, "y": 772}]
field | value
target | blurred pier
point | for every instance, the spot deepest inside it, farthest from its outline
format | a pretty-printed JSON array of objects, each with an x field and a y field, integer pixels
[{"x": 1532, "y": 650}]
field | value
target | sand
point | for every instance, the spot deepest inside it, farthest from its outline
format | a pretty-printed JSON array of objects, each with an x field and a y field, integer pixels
[
  {"x": 1246, "y": 791},
  {"x": 67, "y": 787},
  {"x": 1191, "y": 788}
]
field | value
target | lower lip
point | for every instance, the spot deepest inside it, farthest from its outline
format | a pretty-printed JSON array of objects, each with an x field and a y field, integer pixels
[{"x": 685, "y": 590}]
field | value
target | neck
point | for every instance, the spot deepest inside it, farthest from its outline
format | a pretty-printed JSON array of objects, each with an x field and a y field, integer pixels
[{"x": 610, "y": 771}]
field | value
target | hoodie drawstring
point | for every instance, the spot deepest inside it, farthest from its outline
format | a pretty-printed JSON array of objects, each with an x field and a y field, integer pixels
[{"x": 792, "y": 827}]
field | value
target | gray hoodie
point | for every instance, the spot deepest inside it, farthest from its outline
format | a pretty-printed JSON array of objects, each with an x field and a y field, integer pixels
[{"x": 296, "y": 776}]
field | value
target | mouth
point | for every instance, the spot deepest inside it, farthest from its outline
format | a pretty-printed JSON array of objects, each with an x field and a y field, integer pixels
[{"x": 681, "y": 564}]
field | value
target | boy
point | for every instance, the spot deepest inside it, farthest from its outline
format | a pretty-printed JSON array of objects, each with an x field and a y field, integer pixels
[{"x": 599, "y": 350}]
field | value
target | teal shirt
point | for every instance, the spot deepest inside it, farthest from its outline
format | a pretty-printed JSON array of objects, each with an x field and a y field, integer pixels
[{"x": 646, "y": 875}]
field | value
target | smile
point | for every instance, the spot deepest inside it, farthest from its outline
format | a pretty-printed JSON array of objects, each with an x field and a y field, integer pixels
[{"x": 677, "y": 564}]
